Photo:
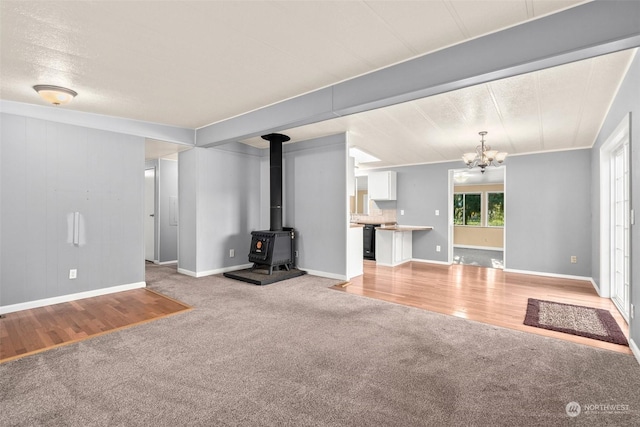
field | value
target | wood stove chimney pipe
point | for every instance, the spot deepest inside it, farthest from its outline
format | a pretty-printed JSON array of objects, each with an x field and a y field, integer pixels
[{"x": 275, "y": 178}]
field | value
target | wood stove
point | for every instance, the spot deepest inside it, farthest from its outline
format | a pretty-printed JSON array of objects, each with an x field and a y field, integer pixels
[{"x": 274, "y": 248}]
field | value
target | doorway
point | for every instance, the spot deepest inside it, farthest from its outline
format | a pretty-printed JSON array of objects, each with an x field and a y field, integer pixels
[
  {"x": 615, "y": 218},
  {"x": 477, "y": 217},
  {"x": 149, "y": 214}
]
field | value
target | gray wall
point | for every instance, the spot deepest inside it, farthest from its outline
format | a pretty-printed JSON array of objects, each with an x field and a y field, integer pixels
[
  {"x": 421, "y": 190},
  {"x": 627, "y": 100},
  {"x": 540, "y": 190},
  {"x": 167, "y": 179},
  {"x": 548, "y": 212},
  {"x": 224, "y": 195},
  {"x": 219, "y": 206},
  {"x": 187, "y": 188},
  {"x": 50, "y": 170},
  {"x": 315, "y": 201}
]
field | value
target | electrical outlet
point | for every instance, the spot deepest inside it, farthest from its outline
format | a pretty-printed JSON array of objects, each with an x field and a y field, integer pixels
[
  {"x": 437, "y": 212},
  {"x": 401, "y": 211},
  {"x": 232, "y": 253},
  {"x": 437, "y": 248},
  {"x": 632, "y": 311},
  {"x": 574, "y": 259},
  {"x": 296, "y": 254},
  {"x": 73, "y": 273}
]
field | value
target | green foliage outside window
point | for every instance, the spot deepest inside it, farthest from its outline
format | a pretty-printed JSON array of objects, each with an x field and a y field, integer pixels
[
  {"x": 472, "y": 210},
  {"x": 458, "y": 209},
  {"x": 467, "y": 209},
  {"x": 495, "y": 210}
]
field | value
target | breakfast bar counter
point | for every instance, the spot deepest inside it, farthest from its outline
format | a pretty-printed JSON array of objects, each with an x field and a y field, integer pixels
[{"x": 394, "y": 244}]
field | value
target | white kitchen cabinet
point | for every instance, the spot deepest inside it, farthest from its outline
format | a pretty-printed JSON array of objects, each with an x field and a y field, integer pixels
[
  {"x": 354, "y": 252},
  {"x": 382, "y": 185},
  {"x": 393, "y": 247}
]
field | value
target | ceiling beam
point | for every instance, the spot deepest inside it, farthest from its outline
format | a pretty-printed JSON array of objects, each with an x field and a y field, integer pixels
[
  {"x": 581, "y": 32},
  {"x": 302, "y": 110},
  {"x": 157, "y": 131}
]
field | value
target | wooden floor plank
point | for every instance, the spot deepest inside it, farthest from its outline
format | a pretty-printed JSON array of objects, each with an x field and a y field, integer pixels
[
  {"x": 481, "y": 294},
  {"x": 39, "y": 329}
]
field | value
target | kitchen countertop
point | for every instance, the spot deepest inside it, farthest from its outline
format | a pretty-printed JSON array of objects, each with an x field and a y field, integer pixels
[
  {"x": 405, "y": 228},
  {"x": 354, "y": 225},
  {"x": 388, "y": 224}
]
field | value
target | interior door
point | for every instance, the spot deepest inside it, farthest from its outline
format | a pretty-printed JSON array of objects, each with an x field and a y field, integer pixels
[
  {"x": 149, "y": 214},
  {"x": 620, "y": 262}
]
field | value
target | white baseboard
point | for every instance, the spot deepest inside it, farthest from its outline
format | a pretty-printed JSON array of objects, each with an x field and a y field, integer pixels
[
  {"x": 540, "y": 273},
  {"x": 382, "y": 264},
  {"x": 430, "y": 261},
  {"x": 187, "y": 272},
  {"x": 486, "y": 248},
  {"x": 214, "y": 271},
  {"x": 70, "y": 297},
  {"x": 325, "y": 274},
  {"x": 241, "y": 267},
  {"x": 595, "y": 286},
  {"x": 175, "y": 261},
  {"x": 634, "y": 349}
]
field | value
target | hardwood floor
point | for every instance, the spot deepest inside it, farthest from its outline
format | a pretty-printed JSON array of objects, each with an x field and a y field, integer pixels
[
  {"x": 482, "y": 294},
  {"x": 35, "y": 330}
]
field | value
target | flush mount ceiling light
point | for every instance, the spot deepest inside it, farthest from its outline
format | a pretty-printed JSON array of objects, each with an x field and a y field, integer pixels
[
  {"x": 484, "y": 155},
  {"x": 55, "y": 94}
]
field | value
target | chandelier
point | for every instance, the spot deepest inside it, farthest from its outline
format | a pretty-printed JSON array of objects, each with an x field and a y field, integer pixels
[{"x": 484, "y": 155}]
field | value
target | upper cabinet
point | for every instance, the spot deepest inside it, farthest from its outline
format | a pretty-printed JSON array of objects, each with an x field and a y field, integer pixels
[{"x": 382, "y": 185}]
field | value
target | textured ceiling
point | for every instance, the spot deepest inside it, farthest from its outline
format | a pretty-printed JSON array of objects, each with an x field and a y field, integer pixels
[
  {"x": 192, "y": 63},
  {"x": 553, "y": 109}
]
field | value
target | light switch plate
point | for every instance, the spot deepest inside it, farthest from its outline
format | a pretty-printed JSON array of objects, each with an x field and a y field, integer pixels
[
  {"x": 437, "y": 212},
  {"x": 73, "y": 273}
]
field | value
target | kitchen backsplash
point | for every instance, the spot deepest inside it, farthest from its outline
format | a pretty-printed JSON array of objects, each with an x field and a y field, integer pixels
[{"x": 376, "y": 214}]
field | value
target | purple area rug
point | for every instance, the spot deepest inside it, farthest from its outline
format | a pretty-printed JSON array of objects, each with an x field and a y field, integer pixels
[{"x": 587, "y": 322}]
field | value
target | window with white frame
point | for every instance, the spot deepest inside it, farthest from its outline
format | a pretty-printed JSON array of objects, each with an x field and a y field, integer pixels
[
  {"x": 467, "y": 209},
  {"x": 485, "y": 209}
]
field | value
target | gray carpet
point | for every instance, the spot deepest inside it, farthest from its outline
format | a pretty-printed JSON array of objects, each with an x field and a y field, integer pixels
[
  {"x": 478, "y": 257},
  {"x": 296, "y": 353}
]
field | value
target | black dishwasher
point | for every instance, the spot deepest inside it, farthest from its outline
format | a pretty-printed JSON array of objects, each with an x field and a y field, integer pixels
[{"x": 369, "y": 241}]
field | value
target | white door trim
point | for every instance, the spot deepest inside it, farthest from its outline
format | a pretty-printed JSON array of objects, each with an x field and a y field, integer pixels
[
  {"x": 451, "y": 185},
  {"x": 150, "y": 238},
  {"x": 621, "y": 131}
]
